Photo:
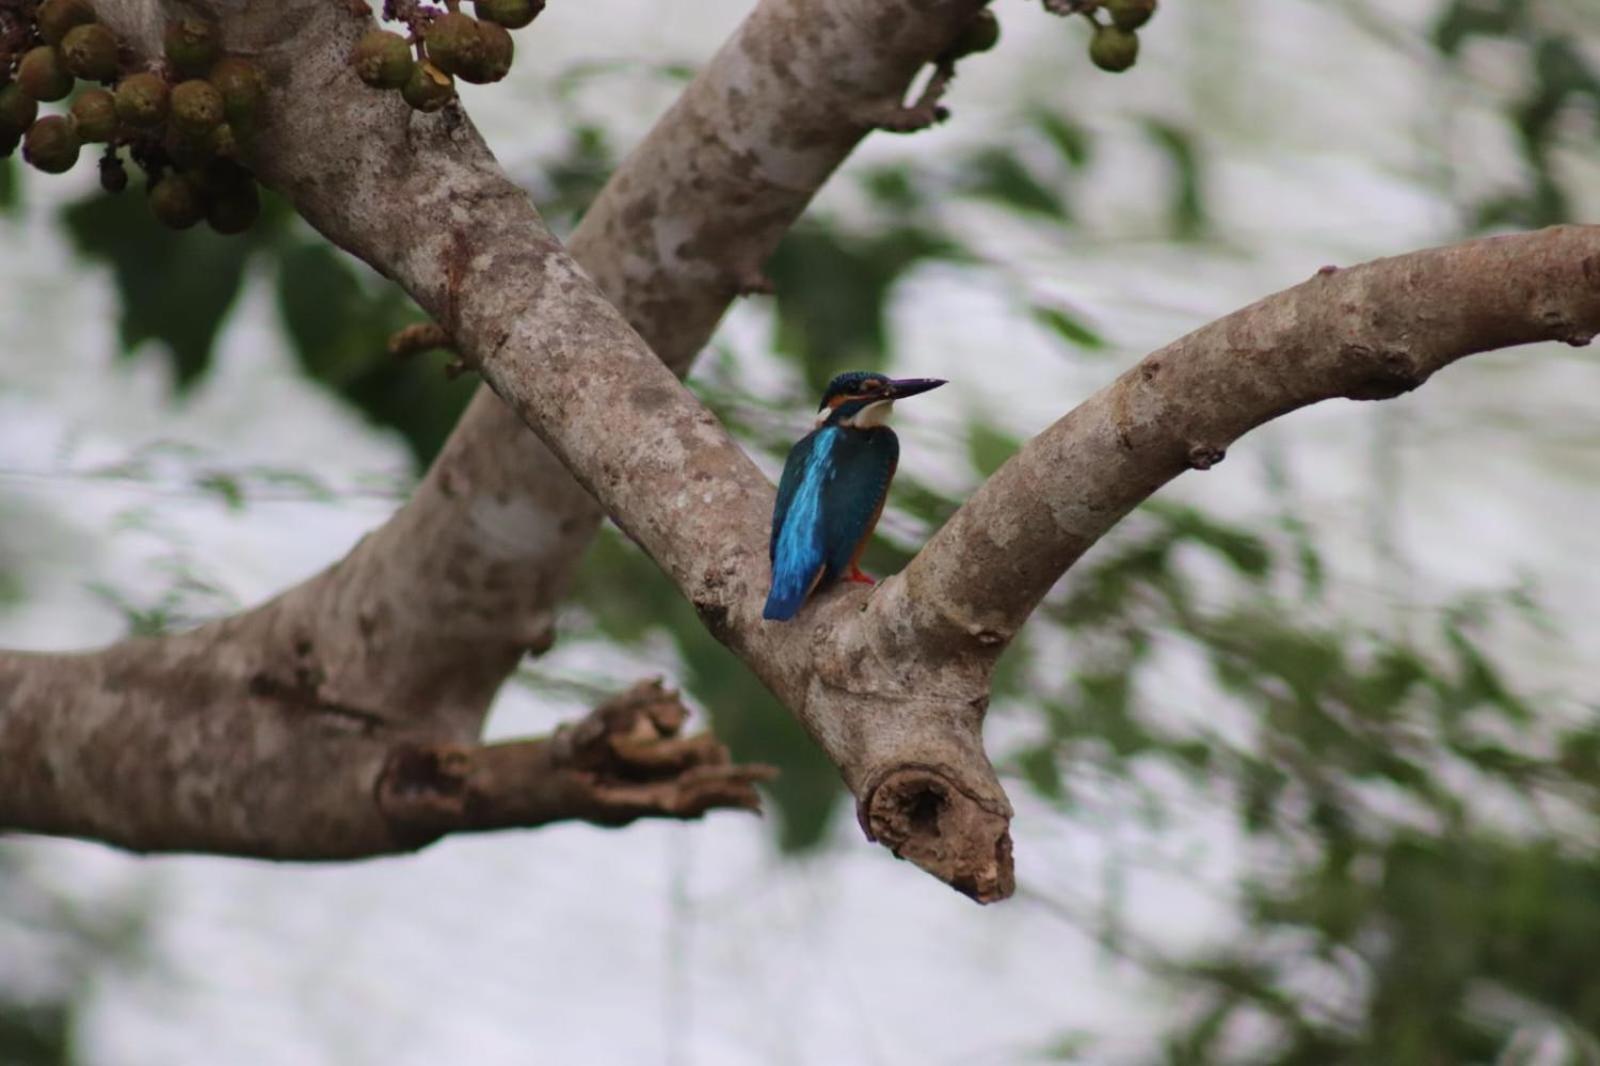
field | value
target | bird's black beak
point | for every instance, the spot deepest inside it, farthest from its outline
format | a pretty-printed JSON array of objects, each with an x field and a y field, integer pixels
[{"x": 899, "y": 390}]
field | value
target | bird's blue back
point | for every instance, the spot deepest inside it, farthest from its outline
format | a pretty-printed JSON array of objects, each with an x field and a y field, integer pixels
[{"x": 829, "y": 497}]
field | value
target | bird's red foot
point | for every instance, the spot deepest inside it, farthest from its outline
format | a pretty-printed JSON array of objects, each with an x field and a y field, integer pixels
[{"x": 858, "y": 577}]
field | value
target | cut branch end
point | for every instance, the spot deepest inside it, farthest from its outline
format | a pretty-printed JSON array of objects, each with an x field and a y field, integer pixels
[{"x": 921, "y": 816}]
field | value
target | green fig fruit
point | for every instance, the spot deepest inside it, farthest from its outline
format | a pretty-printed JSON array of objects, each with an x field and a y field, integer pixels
[
  {"x": 1113, "y": 49},
  {"x": 383, "y": 60}
]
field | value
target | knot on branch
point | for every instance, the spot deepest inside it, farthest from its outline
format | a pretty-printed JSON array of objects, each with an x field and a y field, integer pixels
[
  {"x": 1562, "y": 328},
  {"x": 1390, "y": 372},
  {"x": 920, "y": 815}
]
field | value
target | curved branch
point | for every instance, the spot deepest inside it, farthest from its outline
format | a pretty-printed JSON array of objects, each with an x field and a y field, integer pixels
[{"x": 1367, "y": 333}]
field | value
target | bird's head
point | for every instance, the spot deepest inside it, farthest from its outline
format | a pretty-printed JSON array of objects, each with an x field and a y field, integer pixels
[{"x": 863, "y": 399}]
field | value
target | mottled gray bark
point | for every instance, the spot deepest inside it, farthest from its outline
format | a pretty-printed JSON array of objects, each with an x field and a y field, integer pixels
[
  {"x": 164, "y": 745},
  {"x": 419, "y": 625},
  {"x": 1370, "y": 332}
]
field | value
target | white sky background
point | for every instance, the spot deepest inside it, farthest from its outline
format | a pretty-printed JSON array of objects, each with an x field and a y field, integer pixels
[{"x": 698, "y": 944}]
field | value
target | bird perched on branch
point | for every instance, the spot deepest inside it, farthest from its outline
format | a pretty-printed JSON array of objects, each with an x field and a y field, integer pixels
[{"x": 833, "y": 487}]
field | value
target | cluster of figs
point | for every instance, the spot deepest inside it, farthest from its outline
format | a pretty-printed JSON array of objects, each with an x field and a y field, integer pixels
[
  {"x": 442, "y": 47},
  {"x": 179, "y": 120},
  {"x": 182, "y": 119}
]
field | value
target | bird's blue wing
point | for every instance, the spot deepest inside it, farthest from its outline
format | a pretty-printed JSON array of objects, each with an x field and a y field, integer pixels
[
  {"x": 798, "y": 549},
  {"x": 852, "y": 498},
  {"x": 793, "y": 471}
]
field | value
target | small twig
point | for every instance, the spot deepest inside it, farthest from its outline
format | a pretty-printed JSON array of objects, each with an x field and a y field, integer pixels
[
  {"x": 895, "y": 117},
  {"x": 753, "y": 281},
  {"x": 422, "y": 337}
]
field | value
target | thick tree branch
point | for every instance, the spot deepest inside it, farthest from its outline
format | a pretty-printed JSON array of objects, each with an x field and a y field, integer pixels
[
  {"x": 415, "y": 631},
  {"x": 157, "y": 745},
  {"x": 1367, "y": 333},
  {"x": 468, "y": 246}
]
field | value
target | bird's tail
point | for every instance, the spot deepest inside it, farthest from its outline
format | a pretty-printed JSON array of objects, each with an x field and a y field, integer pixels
[{"x": 789, "y": 592}]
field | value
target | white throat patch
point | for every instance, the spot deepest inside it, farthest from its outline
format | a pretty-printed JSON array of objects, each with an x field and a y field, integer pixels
[{"x": 873, "y": 415}]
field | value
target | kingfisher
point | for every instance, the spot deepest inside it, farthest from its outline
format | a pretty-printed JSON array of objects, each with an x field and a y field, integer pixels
[{"x": 833, "y": 487}]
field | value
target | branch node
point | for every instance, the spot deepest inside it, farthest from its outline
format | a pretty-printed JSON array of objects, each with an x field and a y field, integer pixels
[
  {"x": 541, "y": 641},
  {"x": 895, "y": 117},
  {"x": 1563, "y": 329},
  {"x": 986, "y": 637},
  {"x": 422, "y": 337},
  {"x": 423, "y": 791},
  {"x": 417, "y": 338},
  {"x": 752, "y": 281},
  {"x": 1206, "y": 456},
  {"x": 1392, "y": 372}
]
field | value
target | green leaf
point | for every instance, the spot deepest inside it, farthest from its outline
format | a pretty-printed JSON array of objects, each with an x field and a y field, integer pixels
[
  {"x": 1070, "y": 139},
  {"x": 1464, "y": 19},
  {"x": 1187, "y": 210},
  {"x": 175, "y": 288},
  {"x": 1038, "y": 767},
  {"x": 339, "y": 315},
  {"x": 996, "y": 175},
  {"x": 1247, "y": 552},
  {"x": 832, "y": 294},
  {"x": 10, "y": 186},
  {"x": 988, "y": 447},
  {"x": 224, "y": 486},
  {"x": 570, "y": 182},
  {"x": 36, "y": 1035},
  {"x": 1069, "y": 327},
  {"x": 892, "y": 188}
]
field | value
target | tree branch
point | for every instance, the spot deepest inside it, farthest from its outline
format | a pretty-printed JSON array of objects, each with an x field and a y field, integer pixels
[
  {"x": 435, "y": 212},
  {"x": 154, "y": 745},
  {"x": 251, "y": 727},
  {"x": 893, "y": 684},
  {"x": 624, "y": 761},
  {"x": 1367, "y": 333}
]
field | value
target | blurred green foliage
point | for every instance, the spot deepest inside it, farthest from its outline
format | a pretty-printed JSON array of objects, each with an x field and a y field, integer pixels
[
  {"x": 1560, "y": 80},
  {"x": 337, "y": 313}
]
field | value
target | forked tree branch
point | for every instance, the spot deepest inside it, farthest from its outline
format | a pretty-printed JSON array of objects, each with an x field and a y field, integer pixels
[
  {"x": 894, "y": 683},
  {"x": 413, "y": 633}
]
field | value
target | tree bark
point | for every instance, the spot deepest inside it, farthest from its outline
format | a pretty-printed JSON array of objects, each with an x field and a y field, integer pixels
[{"x": 420, "y": 624}]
